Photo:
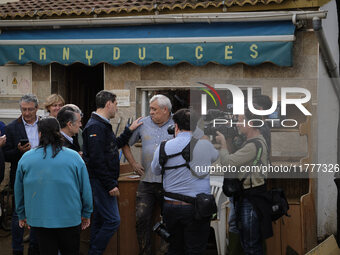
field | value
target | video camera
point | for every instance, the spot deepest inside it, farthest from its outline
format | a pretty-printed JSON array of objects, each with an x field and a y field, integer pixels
[{"x": 228, "y": 130}]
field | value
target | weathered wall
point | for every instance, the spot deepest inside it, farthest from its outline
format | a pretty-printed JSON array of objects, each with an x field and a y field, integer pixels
[
  {"x": 328, "y": 112},
  {"x": 40, "y": 87}
]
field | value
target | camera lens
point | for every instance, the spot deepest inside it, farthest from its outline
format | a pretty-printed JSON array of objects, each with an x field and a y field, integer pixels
[{"x": 160, "y": 230}]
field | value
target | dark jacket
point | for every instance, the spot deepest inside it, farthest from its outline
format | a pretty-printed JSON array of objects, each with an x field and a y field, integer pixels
[
  {"x": 73, "y": 146},
  {"x": 14, "y": 132},
  {"x": 100, "y": 150},
  {"x": 2, "y": 165}
]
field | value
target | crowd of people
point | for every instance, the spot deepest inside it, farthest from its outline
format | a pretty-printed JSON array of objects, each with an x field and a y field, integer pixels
[{"x": 66, "y": 179}]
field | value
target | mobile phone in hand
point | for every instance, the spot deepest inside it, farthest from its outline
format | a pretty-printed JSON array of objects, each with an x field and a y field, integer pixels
[{"x": 23, "y": 142}]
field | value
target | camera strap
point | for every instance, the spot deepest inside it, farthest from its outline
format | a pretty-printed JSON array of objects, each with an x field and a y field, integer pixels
[
  {"x": 186, "y": 153},
  {"x": 184, "y": 198}
]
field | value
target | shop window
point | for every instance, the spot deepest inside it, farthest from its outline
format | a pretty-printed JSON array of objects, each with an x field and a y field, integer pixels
[{"x": 184, "y": 97}]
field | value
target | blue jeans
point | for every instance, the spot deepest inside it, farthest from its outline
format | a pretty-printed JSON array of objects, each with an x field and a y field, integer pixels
[
  {"x": 249, "y": 227},
  {"x": 232, "y": 223},
  {"x": 18, "y": 234},
  {"x": 187, "y": 235},
  {"x": 105, "y": 218}
]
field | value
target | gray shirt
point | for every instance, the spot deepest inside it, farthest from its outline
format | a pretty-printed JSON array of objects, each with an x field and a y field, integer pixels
[
  {"x": 181, "y": 180},
  {"x": 151, "y": 135}
]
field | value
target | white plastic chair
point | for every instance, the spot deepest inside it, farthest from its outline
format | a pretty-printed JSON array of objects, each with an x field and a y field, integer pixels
[{"x": 219, "y": 224}]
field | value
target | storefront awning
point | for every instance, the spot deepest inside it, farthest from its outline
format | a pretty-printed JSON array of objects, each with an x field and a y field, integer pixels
[{"x": 251, "y": 43}]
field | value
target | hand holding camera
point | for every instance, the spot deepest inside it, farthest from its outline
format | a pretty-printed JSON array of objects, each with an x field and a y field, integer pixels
[{"x": 220, "y": 139}]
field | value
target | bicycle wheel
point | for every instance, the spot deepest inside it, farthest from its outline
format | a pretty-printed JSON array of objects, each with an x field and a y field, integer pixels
[{"x": 6, "y": 209}]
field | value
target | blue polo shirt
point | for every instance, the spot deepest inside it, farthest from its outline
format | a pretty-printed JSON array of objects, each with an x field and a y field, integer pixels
[{"x": 181, "y": 180}]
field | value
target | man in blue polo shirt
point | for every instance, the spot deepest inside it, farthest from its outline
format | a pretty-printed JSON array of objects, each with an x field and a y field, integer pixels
[{"x": 187, "y": 234}]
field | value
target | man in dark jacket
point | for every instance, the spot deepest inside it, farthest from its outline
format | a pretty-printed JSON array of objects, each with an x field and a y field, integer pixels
[
  {"x": 25, "y": 127},
  {"x": 2, "y": 158},
  {"x": 102, "y": 159},
  {"x": 69, "y": 117}
]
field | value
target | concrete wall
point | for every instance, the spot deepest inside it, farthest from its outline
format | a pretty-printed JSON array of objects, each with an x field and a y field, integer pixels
[
  {"x": 327, "y": 131},
  {"x": 41, "y": 87}
]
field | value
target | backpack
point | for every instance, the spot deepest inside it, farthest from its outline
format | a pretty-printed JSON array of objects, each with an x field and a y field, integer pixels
[{"x": 279, "y": 203}]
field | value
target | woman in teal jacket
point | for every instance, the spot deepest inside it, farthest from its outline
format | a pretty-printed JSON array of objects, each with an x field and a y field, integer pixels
[{"x": 52, "y": 192}]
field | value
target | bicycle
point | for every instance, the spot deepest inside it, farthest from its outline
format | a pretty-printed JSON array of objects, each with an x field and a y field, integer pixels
[{"x": 6, "y": 208}]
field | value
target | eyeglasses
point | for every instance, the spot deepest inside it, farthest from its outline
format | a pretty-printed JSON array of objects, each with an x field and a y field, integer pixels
[{"x": 28, "y": 109}]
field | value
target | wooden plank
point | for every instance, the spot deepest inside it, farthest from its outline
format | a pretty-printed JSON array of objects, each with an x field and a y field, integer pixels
[
  {"x": 291, "y": 234},
  {"x": 308, "y": 219},
  {"x": 127, "y": 231},
  {"x": 273, "y": 244},
  {"x": 125, "y": 168},
  {"x": 112, "y": 246}
]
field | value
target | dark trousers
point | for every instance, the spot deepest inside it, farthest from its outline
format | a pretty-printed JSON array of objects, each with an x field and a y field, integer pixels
[
  {"x": 52, "y": 240},
  {"x": 105, "y": 218},
  {"x": 18, "y": 235},
  {"x": 148, "y": 196},
  {"x": 187, "y": 235}
]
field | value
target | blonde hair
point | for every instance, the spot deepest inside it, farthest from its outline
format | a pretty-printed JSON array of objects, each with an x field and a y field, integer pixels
[{"x": 52, "y": 99}]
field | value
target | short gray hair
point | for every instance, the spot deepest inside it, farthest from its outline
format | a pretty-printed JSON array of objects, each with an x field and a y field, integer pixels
[
  {"x": 28, "y": 98},
  {"x": 68, "y": 113},
  {"x": 73, "y": 108},
  {"x": 162, "y": 100}
]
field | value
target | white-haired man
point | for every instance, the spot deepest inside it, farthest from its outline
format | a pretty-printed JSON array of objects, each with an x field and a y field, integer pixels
[{"x": 149, "y": 193}]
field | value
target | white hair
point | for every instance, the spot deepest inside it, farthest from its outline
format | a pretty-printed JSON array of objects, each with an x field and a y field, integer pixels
[{"x": 162, "y": 100}]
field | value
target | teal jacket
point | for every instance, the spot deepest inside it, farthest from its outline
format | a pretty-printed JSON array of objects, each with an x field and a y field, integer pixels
[{"x": 52, "y": 192}]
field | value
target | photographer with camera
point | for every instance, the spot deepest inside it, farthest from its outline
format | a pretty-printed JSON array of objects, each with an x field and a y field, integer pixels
[
  {"x": 260, "y": 102},
  {"x": 184, "y": 181},
  {"x": 252, "y": 211}
]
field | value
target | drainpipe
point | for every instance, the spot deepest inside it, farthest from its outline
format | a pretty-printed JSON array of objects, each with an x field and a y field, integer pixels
[
  {"x": 164, "y": 19},
  {"x": 333, "y": 73}
]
